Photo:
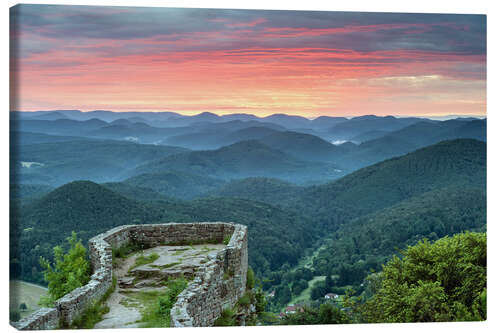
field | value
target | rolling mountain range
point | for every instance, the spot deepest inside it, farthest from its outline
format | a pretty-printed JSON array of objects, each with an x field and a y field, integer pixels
[
  {"x": 454, "y": 171},
  {"x": 243, "y": 159},
  {"x": 56, "y": 163},
  {"x": 329, "y": 196},
  {"x": 240, "y": 146}
]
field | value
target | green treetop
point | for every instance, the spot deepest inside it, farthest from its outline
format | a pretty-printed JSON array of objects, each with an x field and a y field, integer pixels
[
  {"x": 440, "y": 281},
  {"x": 70, "y": 270}
]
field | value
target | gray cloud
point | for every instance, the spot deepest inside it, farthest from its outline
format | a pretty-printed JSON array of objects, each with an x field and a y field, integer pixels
[{"x": 67, "y": 25}]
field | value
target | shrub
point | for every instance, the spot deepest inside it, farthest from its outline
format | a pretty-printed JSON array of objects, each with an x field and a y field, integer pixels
[
  {"x": 70, "y": 270},
  {"x": 125, "y": 250},
  {"x": 250, "y": 278},
  {"x": 226, "y": 318},
  {"x": 245, "y": 300}
]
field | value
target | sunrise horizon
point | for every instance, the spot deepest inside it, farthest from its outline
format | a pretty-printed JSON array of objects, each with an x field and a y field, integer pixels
[
  {"x": 191, "y": 61},
  {"x": 220, "y": 114}
]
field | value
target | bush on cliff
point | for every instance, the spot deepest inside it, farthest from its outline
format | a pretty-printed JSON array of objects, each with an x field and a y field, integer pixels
[
  {"x": 441, "y": 281},
  {"x": 69, "y": 271}
]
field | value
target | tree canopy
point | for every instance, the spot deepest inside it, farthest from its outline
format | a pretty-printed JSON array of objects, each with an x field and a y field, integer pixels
[
  {"x": 440, "y": 281},
  {"x": 69, "y": 271}
]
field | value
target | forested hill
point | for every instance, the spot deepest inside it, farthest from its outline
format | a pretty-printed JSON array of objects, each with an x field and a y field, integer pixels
[
  {"x": 83, "y": 206},
  {"x": 461, "y": 161},
  {"x": 276, "y": 236},
  {"x": 367, "y": 242},
  {"x": 433, "y": 191},
  {"x": 270, "y": 190},
  {"x": 249, "y": 158}
]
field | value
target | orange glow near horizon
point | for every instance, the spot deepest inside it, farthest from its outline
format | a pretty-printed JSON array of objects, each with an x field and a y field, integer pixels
[{"x": 234, "y": 70}]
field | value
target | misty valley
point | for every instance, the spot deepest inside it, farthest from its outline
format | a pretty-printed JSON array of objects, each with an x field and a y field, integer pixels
[{"x": 327, "y": 202}]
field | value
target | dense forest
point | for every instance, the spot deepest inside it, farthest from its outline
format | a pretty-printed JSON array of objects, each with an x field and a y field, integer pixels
[{"x": 322, "y": 218}]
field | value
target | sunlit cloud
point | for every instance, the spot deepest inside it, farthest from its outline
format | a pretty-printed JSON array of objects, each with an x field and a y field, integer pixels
[{"x": 261, "y": 62}]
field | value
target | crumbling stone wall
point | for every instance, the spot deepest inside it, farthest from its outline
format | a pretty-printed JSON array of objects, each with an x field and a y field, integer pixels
[{"x": 217, "y": 284}]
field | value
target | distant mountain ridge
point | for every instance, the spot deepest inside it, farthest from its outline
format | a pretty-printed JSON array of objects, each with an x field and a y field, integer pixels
[{"x": 162, "y": 119}]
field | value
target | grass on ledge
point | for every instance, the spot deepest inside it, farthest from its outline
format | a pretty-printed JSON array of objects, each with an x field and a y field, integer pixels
[
  {"x": 167, "y": 265},
  {"x": 94, "y": 313},
  {"x": 142, "y": 260},
  {"x": 157, "y": 314}
]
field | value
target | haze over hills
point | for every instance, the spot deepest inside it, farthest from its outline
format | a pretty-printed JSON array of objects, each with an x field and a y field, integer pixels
[
  {"x": 244, "y": 159},
  {"x": 177, "y": 184},
  {"x": 288, "y": 155},
  {"x": 458, "y": 162},
  {"x": 339, "y": 207},
  {"x": 56, "y": 163},
  {"x": 268, "y": 190},
  {"x": 172, "y": 119},
  {"x": 454, "y": 170}
]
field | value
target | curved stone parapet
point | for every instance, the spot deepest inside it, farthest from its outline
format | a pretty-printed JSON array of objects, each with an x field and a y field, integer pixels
[{"x": 217, "y": 284}]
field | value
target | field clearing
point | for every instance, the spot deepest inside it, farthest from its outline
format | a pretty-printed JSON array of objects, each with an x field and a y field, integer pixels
[
  {"x": 24, "y": 292},
  {"x": 305, "y": 295}
]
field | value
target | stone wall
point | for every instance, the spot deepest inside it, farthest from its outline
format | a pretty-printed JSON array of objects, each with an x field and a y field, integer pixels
[
  {"x": 217, "y": 284},
  {"x": 43, "y": 319}
]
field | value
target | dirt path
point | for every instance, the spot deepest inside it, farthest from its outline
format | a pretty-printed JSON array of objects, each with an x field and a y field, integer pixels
[
  {"x": 128, "y": 300},
  {"x": 120, "y": 316}
]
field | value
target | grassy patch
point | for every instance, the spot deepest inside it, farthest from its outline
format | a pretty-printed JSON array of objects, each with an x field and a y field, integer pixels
[
  {"x": 126, "y": 250},
  {"x": 226, "y": 240},
  {"x": 193, "y": 242},
  {"x": 94, "y": 313},
  {"x": 305, "y": 295},
  {"x": 27, "y": 293},
  {"x": 179, "y": 252},
  {"x": 205, "y": 250},
  {"x": 167, "y": 265},
  {"x": 142, "y": 260},
  {"x": 157, "y": 314},
  {"x": 155, "y": 305},
  {"x": 130, "y": 303}
]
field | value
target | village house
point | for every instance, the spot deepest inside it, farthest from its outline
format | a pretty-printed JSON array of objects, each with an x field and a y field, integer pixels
[
  {"x": 331, "y": 296},
  {"x": 294, "y": 308}
]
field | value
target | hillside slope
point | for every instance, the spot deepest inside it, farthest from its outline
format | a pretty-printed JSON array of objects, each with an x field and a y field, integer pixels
[
  {"x": 461, "y": 161},
  {"x": 98, "y": 160},
  {"x": 180, "y": 185},
  {"x": 241, "y": 160},
  {"x": 374, "y": 238}
]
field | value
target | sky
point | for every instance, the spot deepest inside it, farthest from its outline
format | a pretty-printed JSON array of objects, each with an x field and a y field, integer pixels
[{"x": 247, "y": 61}]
